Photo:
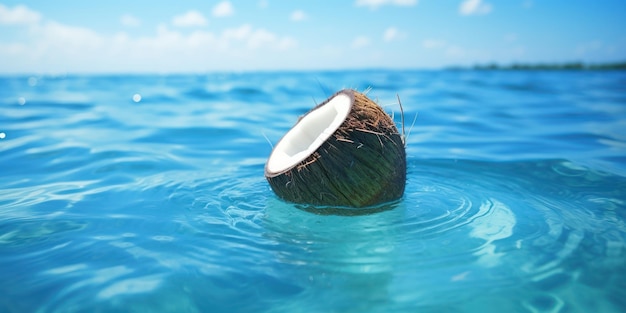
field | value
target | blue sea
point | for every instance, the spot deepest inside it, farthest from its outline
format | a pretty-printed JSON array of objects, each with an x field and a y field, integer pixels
[{"x": 137, "y": 193}]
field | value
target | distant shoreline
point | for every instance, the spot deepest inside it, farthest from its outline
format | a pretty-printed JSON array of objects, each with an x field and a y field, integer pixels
[{"x": 575, "y": 66}]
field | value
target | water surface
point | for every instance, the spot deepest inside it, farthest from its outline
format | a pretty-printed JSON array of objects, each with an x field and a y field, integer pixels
[{"x": 146, "y": 193}]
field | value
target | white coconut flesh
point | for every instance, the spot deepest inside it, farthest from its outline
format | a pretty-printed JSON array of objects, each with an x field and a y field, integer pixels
[{"x": 309, "y": 134}]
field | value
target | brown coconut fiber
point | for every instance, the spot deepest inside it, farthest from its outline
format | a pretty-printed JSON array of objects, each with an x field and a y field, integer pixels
[{"x": 362, "y": 163}]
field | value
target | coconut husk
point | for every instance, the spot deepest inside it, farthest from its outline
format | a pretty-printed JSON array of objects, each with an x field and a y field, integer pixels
[{"x": 362, "y": 163}]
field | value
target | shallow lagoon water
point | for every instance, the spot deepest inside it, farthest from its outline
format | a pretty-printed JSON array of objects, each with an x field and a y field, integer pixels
[{"x": 146, "y": 193}]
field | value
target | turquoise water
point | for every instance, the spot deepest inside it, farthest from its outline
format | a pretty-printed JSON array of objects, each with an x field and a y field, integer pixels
[{"x": 146, "y": 194}]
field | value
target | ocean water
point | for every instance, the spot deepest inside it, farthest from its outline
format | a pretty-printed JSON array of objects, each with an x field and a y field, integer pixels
[{"x": 146, "y": 194}]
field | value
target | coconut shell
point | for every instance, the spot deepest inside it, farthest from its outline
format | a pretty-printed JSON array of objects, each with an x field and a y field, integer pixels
[{"x": 362, "y": 163}]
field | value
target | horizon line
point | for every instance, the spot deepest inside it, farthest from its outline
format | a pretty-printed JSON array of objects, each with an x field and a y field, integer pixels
[{"x": 565, "y": 65}]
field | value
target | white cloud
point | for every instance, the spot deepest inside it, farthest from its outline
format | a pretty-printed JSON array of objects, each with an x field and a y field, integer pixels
[
  {"x": 261, "y": 37},
  {"x": 474, "y": 7},
  {"x": 223, "y": 9},
  {"x": 286, "y": 43},
  {"x": 62, "y": 32},
  {"x": 72, "y": 39},
  {"x": 53, "y": 47},
  {"x": 375, "y": 4},
  {"x": 360, "y": 42},
  {"x": 238, "y": 33},
  {"x": 392, "y": 34},
  {"x": 19, "y": 15},
  {"x": 297, "y": 16},
  {"x": 255, "y": 38},
  {"x": 263, "y": 4},
  {"x": 129, "y": 20},
  {"x": 190, "y": 19}
]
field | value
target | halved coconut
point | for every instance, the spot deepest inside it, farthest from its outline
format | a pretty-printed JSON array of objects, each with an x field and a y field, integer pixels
[{"x": 344, "y": 152}]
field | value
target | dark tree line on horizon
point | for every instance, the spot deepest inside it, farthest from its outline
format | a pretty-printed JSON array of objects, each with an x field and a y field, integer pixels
[{"x": 549, "y": 66}]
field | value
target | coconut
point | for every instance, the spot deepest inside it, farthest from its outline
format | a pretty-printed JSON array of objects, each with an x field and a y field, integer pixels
[{"x": 344, "y": 152}]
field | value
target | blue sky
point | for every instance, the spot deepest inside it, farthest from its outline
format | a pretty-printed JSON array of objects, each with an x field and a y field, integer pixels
[{"x": 199, "y": 36}]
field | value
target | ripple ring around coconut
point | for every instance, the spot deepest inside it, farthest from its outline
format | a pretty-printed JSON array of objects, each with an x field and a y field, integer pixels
[{"x": 346, "y": 151}]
